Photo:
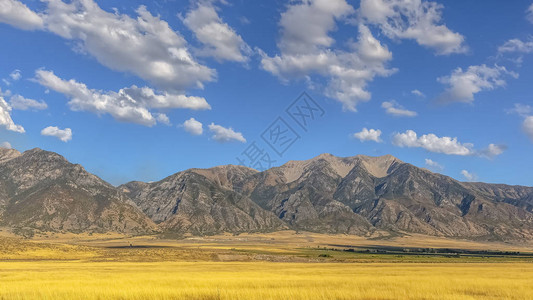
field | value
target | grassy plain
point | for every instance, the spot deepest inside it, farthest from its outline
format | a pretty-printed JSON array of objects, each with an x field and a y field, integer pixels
[{"x": 282, "y": 265}]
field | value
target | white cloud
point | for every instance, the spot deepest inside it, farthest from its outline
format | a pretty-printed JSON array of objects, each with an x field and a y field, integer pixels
[
  {"x": 21, "y": 103},
  {"x": 193, "y": 126},
  {"x": 469, "y": 176},
  {"x": 528, "y": 126},
  {"x": 446, "y": 145},
  {"x": 433, "y": 165},
  {"x": 7, "y": 93},
  {"x": 413, "y": 19},
  {"x": 351, "y": 72},
  {"x": 15, "y": 75},
  {"x": 418, "y": 93},
  {"x": 165, "y": 100},
  {"x": 220, "y": 40},
  {"x": 463, "y": 85},
  {"x": 368, "y": 135},
  {"x": 5, "y": 145},
  {"x": 127, "y": 105},
  {"x": 145, "y": 45},
  {"x": 224, "y": 135},
  {"x": 305, "y": 25},
  {"x": 395, "y": 109},
  {"x": 529, "y": 13},
  {"x": 306, "y": 51},
  {"x": 432, "y": 143},
  {"x": 5, "y": 117},
  {"x": 492, "y": 151},
  {"x": 17, "y": 14},
  {"x": 64, "y": 135},
  {"x": 522, "y": 110},
  {"x": 163, "y": 119},
  {"x": 516, "y": 46}
]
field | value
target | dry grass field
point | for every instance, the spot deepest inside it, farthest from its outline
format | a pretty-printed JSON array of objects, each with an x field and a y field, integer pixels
[
  {"x": 263, "y": 280},
  {"x": 282, "y": 265}
]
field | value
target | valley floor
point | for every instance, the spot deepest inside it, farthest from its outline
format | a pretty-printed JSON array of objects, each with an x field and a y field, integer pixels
[
  {"x": 263, "y": 280},
  {"x": 283, "y": 265}
]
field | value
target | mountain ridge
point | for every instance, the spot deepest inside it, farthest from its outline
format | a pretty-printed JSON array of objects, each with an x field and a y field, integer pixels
[
  {"x": 42, "y": 190},
  {"x": 360, "y": 195}
]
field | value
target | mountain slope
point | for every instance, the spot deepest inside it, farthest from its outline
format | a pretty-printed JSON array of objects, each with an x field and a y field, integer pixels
[
  {"x": 333, "y": 194},
  {"x": 354, "y": 195},
  {"x": 301, "y": 194},
  {"x": 42, "y": 190},
  {"x": 202, "y": 202}
]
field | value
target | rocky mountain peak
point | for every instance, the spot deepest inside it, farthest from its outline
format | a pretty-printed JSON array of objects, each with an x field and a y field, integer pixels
[
  {"x": 226, "y": 176},
  {"x": 8, "y": 154},
  {"x": 42, "y": 190},
  {"x": 380, "y": 166}
]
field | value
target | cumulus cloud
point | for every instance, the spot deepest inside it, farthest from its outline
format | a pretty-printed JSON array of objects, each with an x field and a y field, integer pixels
[
  {"x": 516, "y": 46},
  {"x": 464, "y": 84},
  {"x": 368, "y": 135},
  {"x": 193, "y": 126},
  {"x": 413, "y": 19},
  {"x": 15, "y": 75},
  {"x": 469, "y": 176},
  {"x": 432, "y": 143},
  {"x": 17, "y": 14},
  {"x": 5, "y": 145},
  {"x": 529, "y": 13},
  {"x": 305, "y": 25},
  {"x": 515, "y": 49},
  {"x": 418, "y": 93},
  {"x": 225, "y": 135},
  {"x": 395, "y": 109},
  {"x": 165, "y": 100},
  {"x": 162, "y": 118},
  {"x": 5, "y": 117},
  {"x": 64, "y": 135},
  {"x": 492, "y": 151},
  {"x": 145, "y": 46},
  {"x": 219, "y": 39},
  {"x": 131, "y": 104},
  {"x": 445, "y": 145},
  {"x": 306, "y": 51},
  {"x": 433, "y": 165},
  {"x": 21, "y": 103}
]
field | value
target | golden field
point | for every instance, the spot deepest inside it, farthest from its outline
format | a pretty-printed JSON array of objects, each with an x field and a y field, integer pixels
[
  {"x": 282, "y": 265},
  {"x": 263, "y": 280}
]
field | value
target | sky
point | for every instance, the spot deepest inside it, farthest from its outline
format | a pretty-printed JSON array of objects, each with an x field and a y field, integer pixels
[{"x": 139, "y": 90}]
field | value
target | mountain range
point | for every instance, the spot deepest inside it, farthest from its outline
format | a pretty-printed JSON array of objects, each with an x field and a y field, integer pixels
[{"x": 361, "y": 195}]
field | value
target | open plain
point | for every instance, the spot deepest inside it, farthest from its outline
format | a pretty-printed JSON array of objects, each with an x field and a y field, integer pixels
[{"x": 281, "y": 265}]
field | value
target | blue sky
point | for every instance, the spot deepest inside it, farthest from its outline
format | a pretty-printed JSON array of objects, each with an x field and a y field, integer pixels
[{"x": 140, "y": 90}]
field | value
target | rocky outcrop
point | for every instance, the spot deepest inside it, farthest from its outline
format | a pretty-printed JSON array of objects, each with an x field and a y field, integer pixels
[
  {"x": 42, "y": 190},
  {"x": 202, "y": 201},
  {"x": 353, "y": 195}
]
